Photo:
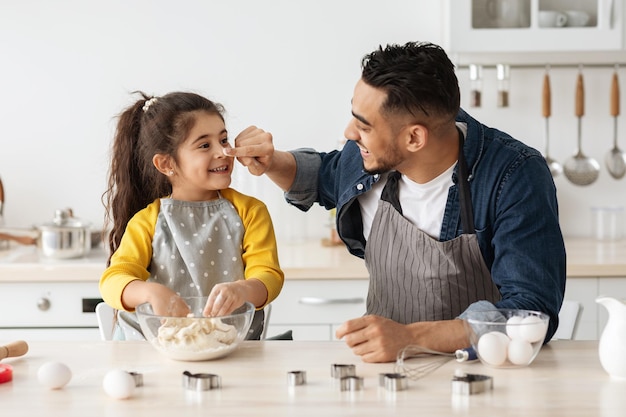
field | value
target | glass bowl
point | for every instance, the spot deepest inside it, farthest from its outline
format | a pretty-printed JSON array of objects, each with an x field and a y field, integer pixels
[
  {"x": 506, "y": 338},
  {"x": 195, "y": 338}
]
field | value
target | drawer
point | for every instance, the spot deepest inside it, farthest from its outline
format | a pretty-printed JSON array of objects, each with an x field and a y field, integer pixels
[
  {"x": 50, "y": 334},
  {"x": 60, "y": 304},
  {"x": 319, "y": 301}
]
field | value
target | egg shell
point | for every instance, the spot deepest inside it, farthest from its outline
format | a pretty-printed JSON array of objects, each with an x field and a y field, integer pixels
[
  {"x": 54, "y": 375},
  {"x": 118, "y": 384},
  {"x": 520, "y": 352},
  {"x": 513, "y": 326},
  {"x": 532, "y": 329},
  {"x": 492, "y": 348}
]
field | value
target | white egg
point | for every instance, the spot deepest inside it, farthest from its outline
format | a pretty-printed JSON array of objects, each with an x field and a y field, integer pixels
[
  {"x": 492, "y": 348},
  {"x": 54, "y": 375},
  {"x": 532, "y": 329},
  {"x": 512, "y": 326},
  {"x": 520, "y": 352},
  {"x": 118, "y": 384}
]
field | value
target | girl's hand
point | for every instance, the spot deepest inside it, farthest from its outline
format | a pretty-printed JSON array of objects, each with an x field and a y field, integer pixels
[
  {"x": 225, "y": 298},
  {"x": 166, "y": 302},
  {"x": 228, "y": 296}
]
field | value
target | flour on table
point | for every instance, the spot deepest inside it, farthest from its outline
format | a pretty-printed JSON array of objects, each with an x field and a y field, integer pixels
[{"x": 195, "y": 335}]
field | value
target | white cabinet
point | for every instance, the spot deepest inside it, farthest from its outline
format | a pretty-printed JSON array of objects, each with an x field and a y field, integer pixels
[
  {"x": 535, "y": 25},
  {"x": 594, "y": 316},
  {"x": 48, "y": 311},
  {"x": 313, "y": 308}
]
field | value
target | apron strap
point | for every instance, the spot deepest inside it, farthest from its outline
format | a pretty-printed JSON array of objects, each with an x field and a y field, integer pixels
[
  {"x": 465, "y": 199},
  {"x": 391, "y": 192}
]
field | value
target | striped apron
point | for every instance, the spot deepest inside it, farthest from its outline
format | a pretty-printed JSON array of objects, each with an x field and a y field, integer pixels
[{"x": 414, "y": 277}]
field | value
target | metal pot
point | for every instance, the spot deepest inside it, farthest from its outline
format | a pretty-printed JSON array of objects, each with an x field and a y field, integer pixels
[{"x": 64, "y": 237}]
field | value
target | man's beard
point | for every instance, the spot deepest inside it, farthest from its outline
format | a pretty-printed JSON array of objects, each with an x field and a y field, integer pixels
[{"x": 388, "y": 162}]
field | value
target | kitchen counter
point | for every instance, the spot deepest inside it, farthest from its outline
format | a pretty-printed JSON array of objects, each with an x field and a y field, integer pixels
[
  {"x": 299, "y": 260},
  {"x": 593, "y": 258},
  {"x": 566, "y": 379}
]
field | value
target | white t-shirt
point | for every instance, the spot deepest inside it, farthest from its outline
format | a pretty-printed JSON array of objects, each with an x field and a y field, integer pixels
[{"x": 422, "y": 204}]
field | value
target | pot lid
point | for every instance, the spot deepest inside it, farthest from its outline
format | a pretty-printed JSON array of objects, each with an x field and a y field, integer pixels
[{"x": 65, "y": 218}]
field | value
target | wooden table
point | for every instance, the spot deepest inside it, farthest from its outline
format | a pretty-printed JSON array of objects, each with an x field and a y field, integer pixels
[{"x": 566, "y": 379}]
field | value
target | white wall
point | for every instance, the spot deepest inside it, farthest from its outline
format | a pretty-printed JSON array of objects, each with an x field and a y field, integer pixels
[
  {"x": 524, "y": 120},
  {"x": 288, "y": 66}
]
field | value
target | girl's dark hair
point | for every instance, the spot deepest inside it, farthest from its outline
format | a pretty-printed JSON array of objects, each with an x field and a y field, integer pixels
[
  {"x": 153, "y": 125},
  {"x": 418, "y": 77}
]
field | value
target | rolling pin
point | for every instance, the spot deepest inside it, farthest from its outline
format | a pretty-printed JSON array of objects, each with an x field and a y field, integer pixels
[{"x": 13, "y": 349}]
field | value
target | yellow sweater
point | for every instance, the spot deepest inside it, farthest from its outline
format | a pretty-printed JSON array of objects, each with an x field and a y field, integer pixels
[{"x": 132, "y": 258}]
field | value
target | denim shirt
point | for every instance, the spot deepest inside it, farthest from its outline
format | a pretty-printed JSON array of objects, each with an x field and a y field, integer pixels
[{"x": 515, "y": 212}]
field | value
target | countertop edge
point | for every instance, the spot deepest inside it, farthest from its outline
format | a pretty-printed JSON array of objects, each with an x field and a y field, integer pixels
[{"x": 303, "y": 260}]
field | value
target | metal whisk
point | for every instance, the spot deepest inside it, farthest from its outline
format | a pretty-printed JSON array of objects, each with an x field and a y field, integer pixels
[{"x": 416, "y": 361}]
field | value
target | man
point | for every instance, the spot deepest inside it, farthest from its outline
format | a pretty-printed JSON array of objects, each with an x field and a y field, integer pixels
[{"x": 450, "y": 215}]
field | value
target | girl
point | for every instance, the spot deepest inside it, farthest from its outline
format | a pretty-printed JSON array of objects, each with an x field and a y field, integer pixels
[{"x": 176, "y": 228}]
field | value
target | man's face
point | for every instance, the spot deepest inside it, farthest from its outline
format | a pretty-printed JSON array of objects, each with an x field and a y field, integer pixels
[{"x": 372, "y": 131}]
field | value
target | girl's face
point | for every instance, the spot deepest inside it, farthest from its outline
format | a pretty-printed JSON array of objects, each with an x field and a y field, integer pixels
[{"x": 202, "y": 167}]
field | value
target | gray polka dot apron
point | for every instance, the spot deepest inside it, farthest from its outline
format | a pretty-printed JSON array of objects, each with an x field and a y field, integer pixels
[
  {"x": 414, "y": 277},
  {"x": 196, "y": 245}
]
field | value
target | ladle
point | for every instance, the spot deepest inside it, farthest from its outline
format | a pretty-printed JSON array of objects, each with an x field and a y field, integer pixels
[
  {"x": 580, "y": 169},
  {"x": 615, "y": 159},
  {"x": 555, "y": 167}
]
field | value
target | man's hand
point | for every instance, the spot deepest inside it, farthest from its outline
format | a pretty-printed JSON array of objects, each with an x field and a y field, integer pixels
[
  {"x": 378, "y": 339},
  {"x": 374, "y": 338},
  {"x": 254, "y": 149}
]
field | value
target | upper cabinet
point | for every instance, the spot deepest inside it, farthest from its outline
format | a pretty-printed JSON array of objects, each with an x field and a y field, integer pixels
[{"x": 536, "y": 25}]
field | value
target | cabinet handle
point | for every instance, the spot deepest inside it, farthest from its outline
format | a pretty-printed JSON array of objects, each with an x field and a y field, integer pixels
[
  {"x": 319, "y": 301},
  {"x": 43, "y": 304},
  {"x": 611, "y": 13}
]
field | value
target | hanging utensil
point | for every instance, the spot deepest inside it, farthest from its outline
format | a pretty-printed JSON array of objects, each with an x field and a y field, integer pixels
[
  {"x": 555, "y": 166},
  {"x": 1, "y": 201},
  {"x": 616, "y": 158},
  {"x": 581, "y": 169}
]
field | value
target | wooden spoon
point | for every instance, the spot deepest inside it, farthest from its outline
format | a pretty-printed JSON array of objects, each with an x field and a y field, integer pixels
[
  {"x": 615, "y": 158},
  {"x": 24, "y": 240},
  {"x": 555, "y": 167}
]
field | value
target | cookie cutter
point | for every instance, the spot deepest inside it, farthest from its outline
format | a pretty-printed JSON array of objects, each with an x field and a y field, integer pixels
[
  {"x": 351, "y": 383},
  {"x": 296, "y": 378},
  {"x": 468, "y": 384},
  {"x": 201, "y": 381},
  {"x": 393, "y": 381},
  {"x": 138, "y": 378},
  {"x": 340, "y": 370}
]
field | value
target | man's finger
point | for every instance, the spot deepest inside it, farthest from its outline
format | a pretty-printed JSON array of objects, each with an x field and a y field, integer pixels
[{"x": 246, "y": 151}]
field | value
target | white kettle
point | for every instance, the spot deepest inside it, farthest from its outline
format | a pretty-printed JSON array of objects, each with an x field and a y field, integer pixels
[{"x": 612, "y": 347}]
